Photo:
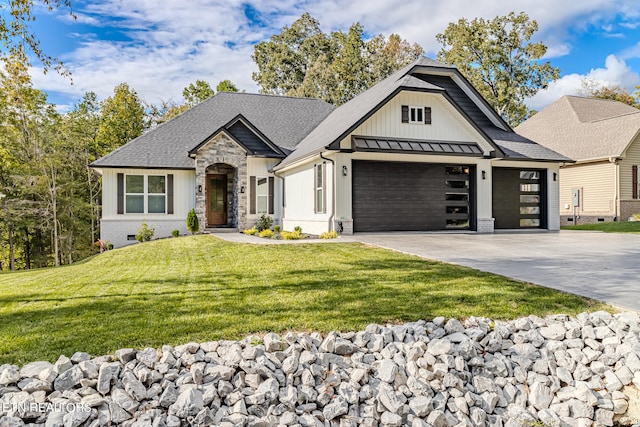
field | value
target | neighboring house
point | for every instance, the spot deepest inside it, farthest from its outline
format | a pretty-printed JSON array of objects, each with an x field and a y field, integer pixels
[
  {"x": 603, "y": 137},
  {"x": 421, "y": 150}
]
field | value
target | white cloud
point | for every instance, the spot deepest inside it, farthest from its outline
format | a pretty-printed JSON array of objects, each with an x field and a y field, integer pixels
[
  {"x": 616, "y": 72},
  {"x": 169, "y": 45}
]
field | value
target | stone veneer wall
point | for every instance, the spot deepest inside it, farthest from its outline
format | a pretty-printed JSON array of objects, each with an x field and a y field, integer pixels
[{"x": 223, "y": 151}]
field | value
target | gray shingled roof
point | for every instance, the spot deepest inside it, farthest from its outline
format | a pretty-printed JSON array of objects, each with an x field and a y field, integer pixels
[
  {"x": 285, "y": 121},
  {"x": 346, "y": 117},
  {"x": 584, "y": 128}
]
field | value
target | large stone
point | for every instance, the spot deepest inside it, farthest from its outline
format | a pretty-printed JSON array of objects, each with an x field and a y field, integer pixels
[
  {"x": 33, "y": 370},
  {"x": 272, "y": 342},
  {"x": 189, "y": 403},
  {"x": 387, "y": 397},
  {"x": 439, "y": 346},
  {"x": 107, "y": 375},
  {"x": 68, "y": 379},
  {"x": 387, "y": 370},
  {"x": 336, "y": 408},
  {"x": 553, "y": 332},
  {"x": 344, "y": 347},
  {"x": 540, "y": 395},
  {"x": 126, "y": 355},
  {"x": 420, "y": 406},
  {"x": 389, "y": 419},
  {"x": 437, "y": 418}
]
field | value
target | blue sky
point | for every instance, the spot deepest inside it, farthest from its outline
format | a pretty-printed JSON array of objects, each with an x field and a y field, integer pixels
[{"x": 158, "y": 48}]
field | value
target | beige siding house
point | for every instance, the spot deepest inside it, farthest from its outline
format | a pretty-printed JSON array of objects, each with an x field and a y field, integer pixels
[{"x": 603, "y": 137}]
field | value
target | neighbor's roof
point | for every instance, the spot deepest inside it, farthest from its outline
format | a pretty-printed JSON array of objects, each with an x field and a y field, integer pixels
[
  {"x": 348, "y": 116},
  {"x": 584, "y": 128},
  {"x": 285, "y": 121}
]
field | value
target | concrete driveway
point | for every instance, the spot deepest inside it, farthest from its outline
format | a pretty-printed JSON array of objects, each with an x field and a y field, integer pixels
[{"x": 603, "y": 266}]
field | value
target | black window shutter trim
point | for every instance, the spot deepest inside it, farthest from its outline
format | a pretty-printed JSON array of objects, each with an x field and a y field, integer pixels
[
  {"x": 427, "y": 115},
  {"x": 271, "y": 185},
  {"x": 120, "y": 194},
  {"x": 405, "y": 114},
  {"x": 170, "y": 194},
  {"x": 252, "y": 195},
  {"x": 634, "y": 177}
]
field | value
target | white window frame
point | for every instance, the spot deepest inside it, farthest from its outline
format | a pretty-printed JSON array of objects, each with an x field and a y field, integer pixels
[
  {"x": 414, "y": 111},
  {"x": 319, "y": 170},
  {"x": 259, "y": 196},
  {"x": 145, "y": 195}
]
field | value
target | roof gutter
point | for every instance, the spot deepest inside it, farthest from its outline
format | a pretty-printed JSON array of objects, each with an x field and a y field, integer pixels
[{"x": 333, "y": 191}]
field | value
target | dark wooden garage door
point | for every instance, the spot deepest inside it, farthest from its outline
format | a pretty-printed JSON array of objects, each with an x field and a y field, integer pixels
[
  {"x": 519, "y": 198},
  {"x": 394, "y": 196}
]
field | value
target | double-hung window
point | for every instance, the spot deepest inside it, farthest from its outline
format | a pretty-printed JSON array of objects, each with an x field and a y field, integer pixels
[
  {"x": 320, "y": 171},
  {"x": 146, "y": 194},
  {"x": 262, "y": 195}
]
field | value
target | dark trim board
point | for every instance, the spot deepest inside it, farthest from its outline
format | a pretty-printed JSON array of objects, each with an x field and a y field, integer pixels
[{"x": 402, "y": 196}]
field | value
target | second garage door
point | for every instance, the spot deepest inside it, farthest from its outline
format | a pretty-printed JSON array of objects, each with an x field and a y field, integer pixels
[{"x": 394, "y": 196}]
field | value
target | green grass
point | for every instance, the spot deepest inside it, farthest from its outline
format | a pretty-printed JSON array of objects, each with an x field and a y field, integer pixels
[
  {"x": 201, "y": 288},
  {"x": 607, "y": 227}
]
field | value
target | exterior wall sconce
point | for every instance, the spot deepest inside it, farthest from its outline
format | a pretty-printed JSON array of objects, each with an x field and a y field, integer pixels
[
  {"x": 484, "y": 175},
  {"x": 345, "y": 171},
  {"x": 242, "y": 189},
  {"x": 199, "y": 188},
  {"x": 555, "y": 176}
]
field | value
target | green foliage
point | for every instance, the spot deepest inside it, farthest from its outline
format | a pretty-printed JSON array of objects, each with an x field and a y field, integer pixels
[
  {"x": 329, "y": 235},
  {"x": 277, "y": 228},
  {"x": 303, "y": 61},
  {"x": 291, "y": 235},
  {"x": 109, "y": 246},
  {"x": 193, "y": 225},
  {"x": 122, "y": 118},
  {"x": 594, "y": 89},
  {"x": 251, "y": 231},
  {"x": 226, "y": 86},
  {"x": 499, "y": 60},
  {"x": 297, "y": 228},
  {"x": 202, "y": 288},
  {"x": 145, "y": 233},
  {"x": 266, "y": 233},
  {"x": 607, "y": 227},
  {"x": 197, "y": 92},
  {"x": 175, "y": 233},
  {"x": 265, "y": 222}
]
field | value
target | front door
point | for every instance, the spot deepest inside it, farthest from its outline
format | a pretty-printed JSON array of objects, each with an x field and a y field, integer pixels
[{"x": 216, "y": 199}]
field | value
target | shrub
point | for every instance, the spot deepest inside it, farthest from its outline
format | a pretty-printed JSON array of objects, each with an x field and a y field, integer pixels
[
  {"x": 251, "y": 231},
  {"x": 291, "y": 235},
  {"x": 329, "y": 235},
  {"x": 267, "y": 234},
  {"x": 193, "y": 225},
  {"x": 265, "y": 222},
  {"x": 145, "y": 233},
  {"x": 636, "y": 217},
  {"x": 298, "y": 229},
  {"x": 109, "y": 245},
  {"x": 175, "y": 233},
  {"x": 277, "y": 228}
]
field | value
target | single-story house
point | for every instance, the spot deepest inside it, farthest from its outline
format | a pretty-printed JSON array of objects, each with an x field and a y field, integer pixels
[
  {"x": 421, "y": 150},
  {"x": 603, "y": 136}
]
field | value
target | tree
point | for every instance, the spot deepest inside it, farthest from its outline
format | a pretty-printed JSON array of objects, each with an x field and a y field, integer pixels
[
  {"x": 226, "y": 86},
  {"x": 499, "y": 60},
  {"x": 17, "y": 35},
  {"x": 197, "y": 92},
  {"x": 122, "y": 118},
  {"x": 593, "y": 89},
  {"x": 303, "y": 61}
]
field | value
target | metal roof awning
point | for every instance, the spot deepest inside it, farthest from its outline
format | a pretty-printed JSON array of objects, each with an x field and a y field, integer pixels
[{"x": 366, "y": 143}]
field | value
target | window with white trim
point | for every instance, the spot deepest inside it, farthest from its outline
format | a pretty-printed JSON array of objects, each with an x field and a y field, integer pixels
[
  {"x": 262, "y": 195},
  {"x": 146, "y": 194},
  {"x": 416, "y": 114},
  {"x": 320, "y": 188}
]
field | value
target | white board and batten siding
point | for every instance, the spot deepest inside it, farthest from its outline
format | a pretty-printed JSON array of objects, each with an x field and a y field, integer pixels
[
  {"x": 597, "y": 185},
  {"x": 299, "y": 196},
  {"x": 116, "y": 228},
  {"x": 447, "y": 124}
]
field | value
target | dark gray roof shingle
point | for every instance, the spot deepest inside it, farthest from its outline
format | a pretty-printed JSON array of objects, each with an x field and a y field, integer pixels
[{"x": 285, "y": 121}]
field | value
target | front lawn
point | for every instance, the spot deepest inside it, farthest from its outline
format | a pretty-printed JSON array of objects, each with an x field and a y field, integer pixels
[
  {"x": 607, "y": 227},
  {"x": 201, "y": 288}
]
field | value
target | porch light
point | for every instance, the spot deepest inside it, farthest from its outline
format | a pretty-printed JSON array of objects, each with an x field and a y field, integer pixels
[
  {"x": 484, "y": 175},
  {"x": 345, "y": 171},
  {"x": 199, "y": 188},
  {"x": 242, "y": 188},
  {"x": 555, "y": 176}
]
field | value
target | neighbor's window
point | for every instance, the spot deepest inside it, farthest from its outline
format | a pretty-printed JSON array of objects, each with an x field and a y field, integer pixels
[
  {"x": 151, "y": 189},
  {"x": 320, "y": 171},
  {"x": 262, "y": 195}
]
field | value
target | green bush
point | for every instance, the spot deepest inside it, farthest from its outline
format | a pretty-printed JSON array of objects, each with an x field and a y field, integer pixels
[
  {"x": 175, "y": 233},
  {"x": 193, "y": 225},
  {"x": 251, "y": 231},
  {"x": 277, "y": 228},
  {"x": 298, "y": 229},
  {"x": 267, "y": 234},
  {"x": 145, "y": 233},
  {"x": 291, "y": 235},
  {"x": 265, "y": 222},
  {"x": 329, "y": 235},
  {"x": 109, "y": 246}
]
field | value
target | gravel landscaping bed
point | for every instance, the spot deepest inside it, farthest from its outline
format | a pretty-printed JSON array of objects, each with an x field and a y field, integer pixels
[{"x": 556, "y": 371}]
